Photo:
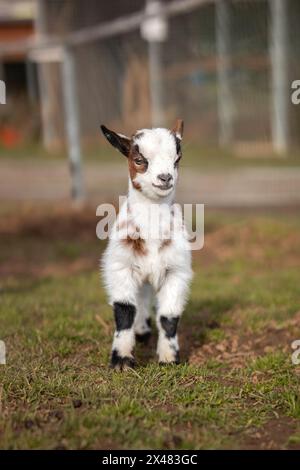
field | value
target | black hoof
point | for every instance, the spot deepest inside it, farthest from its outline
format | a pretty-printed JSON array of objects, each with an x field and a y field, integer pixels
[
  {"x": 121, "y": 363},
  {"x": 171, "y": 363},
  {"x": 144, "y": 338}
]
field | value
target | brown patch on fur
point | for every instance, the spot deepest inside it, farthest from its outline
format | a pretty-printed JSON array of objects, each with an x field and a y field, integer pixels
[
  {"x": 138, "y": 245},
  {"x": 165, "y": 243},
  {"x": 134, "y": 169},
  {"x": 136, "y": 185}
]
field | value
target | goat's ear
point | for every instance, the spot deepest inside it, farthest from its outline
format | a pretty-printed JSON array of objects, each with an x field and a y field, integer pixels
[
  {"x": 119, "y": 141},
  {"x": 178, "y": 129}
]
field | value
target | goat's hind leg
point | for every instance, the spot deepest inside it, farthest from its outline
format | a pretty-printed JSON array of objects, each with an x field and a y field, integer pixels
[{"x": 142, "y": 325}]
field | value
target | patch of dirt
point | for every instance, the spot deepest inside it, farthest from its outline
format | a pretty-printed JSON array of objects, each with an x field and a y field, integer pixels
[
  {"x": 19, "y": 269},
  {"x": 237, "y": 349},
  {"x": 62, "y": 223},
  {"x": 273, "y": 435},
  {"x": 271, "y": 248},
  {"x": 33, "y": 242}
]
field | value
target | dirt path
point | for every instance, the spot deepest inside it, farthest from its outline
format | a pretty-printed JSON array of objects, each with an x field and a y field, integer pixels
[{"x": 251, "y": 187}]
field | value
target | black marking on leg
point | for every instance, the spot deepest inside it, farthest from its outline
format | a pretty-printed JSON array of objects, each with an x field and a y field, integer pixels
[
  {"x": 124, "y": 315},
  {"x": 169, "y": 324},
  {"x": 121, "y": 363}
]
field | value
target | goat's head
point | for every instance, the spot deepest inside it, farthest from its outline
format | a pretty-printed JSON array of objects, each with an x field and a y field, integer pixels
[{"x": 153, "y": 158}]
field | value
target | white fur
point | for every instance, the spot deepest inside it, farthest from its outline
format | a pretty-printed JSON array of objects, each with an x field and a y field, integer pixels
[
  {"x": 166, "y": 272},
  {"x": 158, "y": 146}
]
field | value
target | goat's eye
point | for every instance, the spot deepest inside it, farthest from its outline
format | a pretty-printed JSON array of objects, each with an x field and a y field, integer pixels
[{"x": 138, "y": 161}]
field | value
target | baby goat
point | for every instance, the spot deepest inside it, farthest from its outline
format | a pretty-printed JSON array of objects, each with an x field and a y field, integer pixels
[{"x": 138, "y": 263}]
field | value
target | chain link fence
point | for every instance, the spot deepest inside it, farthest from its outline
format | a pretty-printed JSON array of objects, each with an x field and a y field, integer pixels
[
  {"x": 225, "y": 66},
  {"x": 113, "y": 79}
]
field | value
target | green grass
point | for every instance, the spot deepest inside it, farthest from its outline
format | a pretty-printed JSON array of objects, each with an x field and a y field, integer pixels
[{"x": 57, "y": 391}]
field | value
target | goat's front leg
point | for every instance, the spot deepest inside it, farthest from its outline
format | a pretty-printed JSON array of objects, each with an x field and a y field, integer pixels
[
  {"x": 170, "y": 303},
  {"x": 123, "y": 289},
  {"x": 124, "y": 336}
]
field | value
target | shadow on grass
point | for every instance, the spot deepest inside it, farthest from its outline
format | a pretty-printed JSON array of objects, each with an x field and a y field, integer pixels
[{"x": 198, "y": 318}]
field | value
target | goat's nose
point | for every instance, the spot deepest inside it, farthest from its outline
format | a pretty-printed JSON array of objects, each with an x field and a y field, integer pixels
[{"x": 165, "y": 177}]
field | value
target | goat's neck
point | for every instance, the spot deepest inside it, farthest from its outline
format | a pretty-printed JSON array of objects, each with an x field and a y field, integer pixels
[
  {"x": 144, "y": 210},
  {"x": 136, "y": 197}
]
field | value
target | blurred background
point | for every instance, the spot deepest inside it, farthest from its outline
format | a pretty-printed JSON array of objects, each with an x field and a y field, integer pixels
[{"x": 225, "y": 66}]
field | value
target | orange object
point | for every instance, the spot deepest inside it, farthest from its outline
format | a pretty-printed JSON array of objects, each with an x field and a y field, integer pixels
[{"x": 10, "y": 137}]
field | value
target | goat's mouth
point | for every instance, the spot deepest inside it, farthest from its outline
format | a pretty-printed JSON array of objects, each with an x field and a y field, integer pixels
[{"x": 163, "y": 187}]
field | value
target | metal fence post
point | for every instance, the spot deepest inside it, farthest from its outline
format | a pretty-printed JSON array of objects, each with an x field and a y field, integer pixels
[
  {"x": 72, "y": 121},
  {"x": 154, "y": 30},
  {"x": 44, "y": 82},
  {"x": 225, "y": 93},
  {"x": 156, "y": 91},
  {"x": 2, "y": 92},
  {"x": 279, "y": 75}
]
